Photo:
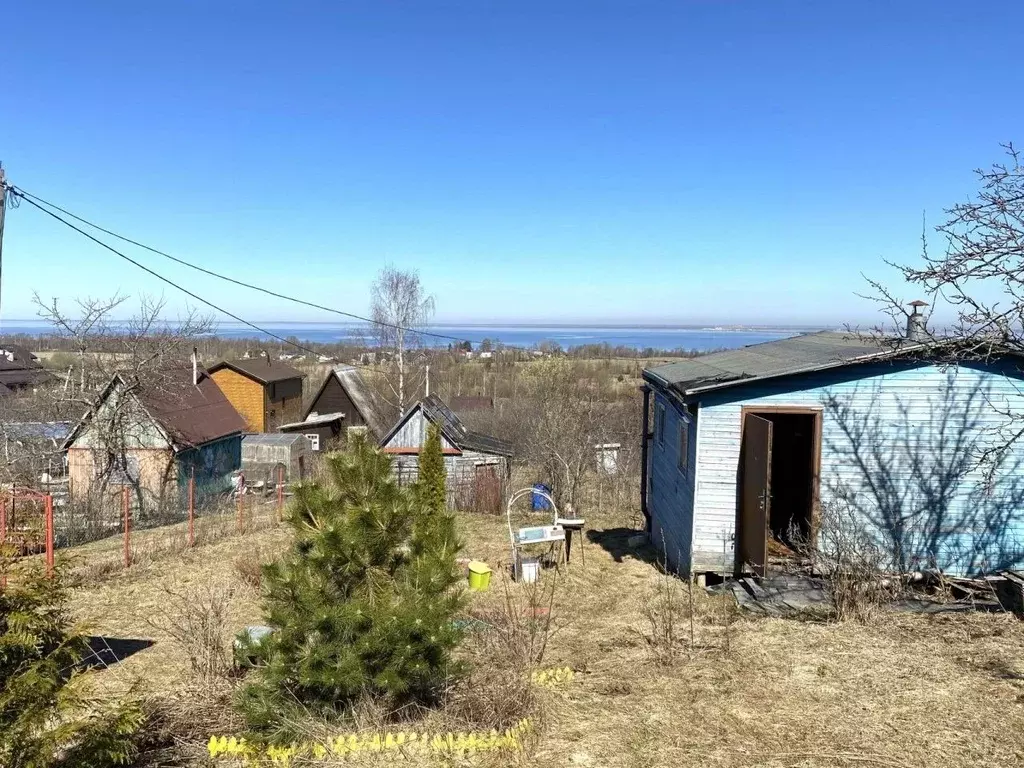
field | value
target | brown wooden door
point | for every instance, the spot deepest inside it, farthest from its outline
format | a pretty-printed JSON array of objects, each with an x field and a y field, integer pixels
[
  {"x": 486, "y": 489},
  {"x": 755, "y": 495}
]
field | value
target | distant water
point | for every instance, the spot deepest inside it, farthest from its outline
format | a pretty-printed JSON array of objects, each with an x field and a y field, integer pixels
[{"x": 635, "y": 337}]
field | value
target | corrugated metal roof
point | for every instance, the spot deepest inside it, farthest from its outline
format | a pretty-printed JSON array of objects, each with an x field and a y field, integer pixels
[
  {"x": 438, "y": 412},
  {"x": 260, "y": 369},
  {"x": 451, "y": 426},
  {"x": 38, "y": 430},
  {"x": 799, "y": 354}
]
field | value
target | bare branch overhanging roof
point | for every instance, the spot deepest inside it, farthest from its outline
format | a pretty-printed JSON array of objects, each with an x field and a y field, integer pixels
[
  {"x": 784, "y": 357},
  {"x": 189, "y": 415}
]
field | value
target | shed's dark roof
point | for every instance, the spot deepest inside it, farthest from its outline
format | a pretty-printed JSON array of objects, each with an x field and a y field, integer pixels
[
  {"x": 23, "y": 377},
  {"x": 435, "y": 409},
  {"x": 20, "y": 368},
  {"x": 783, "y": 357},
  {"x": 260, "y": 369}
]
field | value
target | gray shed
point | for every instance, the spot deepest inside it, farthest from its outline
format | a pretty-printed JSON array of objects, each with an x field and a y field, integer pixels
[
  {"x": 477, "y": 465},
  {"x": 263, "y": 454}
]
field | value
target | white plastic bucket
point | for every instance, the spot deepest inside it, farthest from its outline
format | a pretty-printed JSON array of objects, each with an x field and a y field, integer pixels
[{"x": 529, "y": 569}]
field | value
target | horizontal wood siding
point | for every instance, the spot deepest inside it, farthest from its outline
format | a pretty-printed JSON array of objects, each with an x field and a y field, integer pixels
[
  {"x": 285, "y": 389},
  {"x": 246, "y": 396},
  {"x": 900, "y": 444},
  {"x": 155, "y": 466},
  {"x": 670, "y": 494}
]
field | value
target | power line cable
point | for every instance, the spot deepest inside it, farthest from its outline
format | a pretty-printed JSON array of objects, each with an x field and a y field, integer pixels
[
  {"x": 170, "y": 282},
  {"x": 36, "y": 199}
]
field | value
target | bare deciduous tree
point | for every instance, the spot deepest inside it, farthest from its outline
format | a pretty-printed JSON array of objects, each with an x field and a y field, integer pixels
[
  {"x": 91, "y": 320},
  {"x": 149, "y": 354},
  {"x": 978, "y": 281},
  {"x": 399, "y": 308},
  {"x": 562, "y": 416},
  {"x": 980, "y": 276}
]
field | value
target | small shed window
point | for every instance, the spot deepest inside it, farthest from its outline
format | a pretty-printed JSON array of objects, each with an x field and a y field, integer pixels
[
  {"x": 659, "y": 422},
  {"x": 684, "y": 446},
  {"x": 314, "y": 441}
]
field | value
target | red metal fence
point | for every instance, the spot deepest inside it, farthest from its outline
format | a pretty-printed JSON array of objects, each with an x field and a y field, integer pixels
[{"x": 28, "y": 526}]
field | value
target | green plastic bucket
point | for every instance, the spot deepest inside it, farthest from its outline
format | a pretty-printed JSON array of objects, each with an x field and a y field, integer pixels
[{"x": 479, "y": 576}]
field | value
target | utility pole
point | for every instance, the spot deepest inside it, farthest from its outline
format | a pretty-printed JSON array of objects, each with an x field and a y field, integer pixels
[
  {"x": 3, "y": 214},
  {"x": 427, "y": 393}
]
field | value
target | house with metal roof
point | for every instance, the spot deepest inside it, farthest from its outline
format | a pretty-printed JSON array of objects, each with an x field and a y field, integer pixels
[
  {"x": 748, "y": 452},
  {"x": 477, "y": 465},
  {"x": 155, "y": 435},
  {"x": 343, "y": 404},
  {"x": 266, "y": 392}
]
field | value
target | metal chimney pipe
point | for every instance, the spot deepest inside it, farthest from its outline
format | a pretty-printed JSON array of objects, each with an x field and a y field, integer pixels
[
  {"x": 916, "y": 330},
  {"x": 195, "y": 366}
]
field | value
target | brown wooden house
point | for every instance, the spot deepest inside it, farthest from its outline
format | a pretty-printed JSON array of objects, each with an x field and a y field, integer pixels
[
  {"x": 266, "y": 392},
  {"x": 342, "y": 403},
  {"x": 155, "y": 436},
  {"x": 20, "y": 369}
]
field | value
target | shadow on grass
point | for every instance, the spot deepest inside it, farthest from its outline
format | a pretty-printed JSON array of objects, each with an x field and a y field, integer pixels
[
  {"x": 615, "y": 541},
  {"x": 107, "y": 651}
]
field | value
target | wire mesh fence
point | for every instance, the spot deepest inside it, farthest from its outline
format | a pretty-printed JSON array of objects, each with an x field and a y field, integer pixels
[{"x": 121, "y": 527}]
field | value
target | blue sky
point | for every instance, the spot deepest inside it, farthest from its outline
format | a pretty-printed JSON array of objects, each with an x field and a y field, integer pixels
[{"x": 540, "y": 161}]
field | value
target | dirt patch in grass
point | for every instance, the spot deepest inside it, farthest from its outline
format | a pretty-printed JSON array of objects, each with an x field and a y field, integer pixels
[{"x": 905, "y": 690}]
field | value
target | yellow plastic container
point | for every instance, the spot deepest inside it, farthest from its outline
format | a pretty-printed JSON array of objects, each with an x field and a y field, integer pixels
[{"x": 479, "y": 576}]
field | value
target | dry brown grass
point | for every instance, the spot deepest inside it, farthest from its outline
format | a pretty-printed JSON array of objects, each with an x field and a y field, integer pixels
[
  {"x": 899, "y": 690},
  {"x": 249, "y": 568}
]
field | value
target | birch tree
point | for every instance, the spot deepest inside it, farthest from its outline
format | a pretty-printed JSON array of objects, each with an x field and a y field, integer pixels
[
  {"x": 147, "y": 353},
  {"x": 400, "y": 308}
]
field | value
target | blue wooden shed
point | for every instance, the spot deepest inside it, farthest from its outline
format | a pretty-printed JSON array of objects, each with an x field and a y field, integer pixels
[{"x": 743, "y": 449}]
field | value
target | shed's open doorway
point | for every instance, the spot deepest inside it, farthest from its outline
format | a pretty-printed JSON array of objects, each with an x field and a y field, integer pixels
[{"x": 778, "y": 484}]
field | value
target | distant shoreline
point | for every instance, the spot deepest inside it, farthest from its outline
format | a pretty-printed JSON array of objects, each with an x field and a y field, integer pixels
[
  {"x": 669, "y": 338},
  {"x": 24, "y": 323}
]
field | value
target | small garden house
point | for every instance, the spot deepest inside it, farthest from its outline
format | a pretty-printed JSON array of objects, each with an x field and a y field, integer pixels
[
  {"x": 155, "y": 435},
  {"x": 477, "y": 465},
  {"x": 748, "y": 452}
]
